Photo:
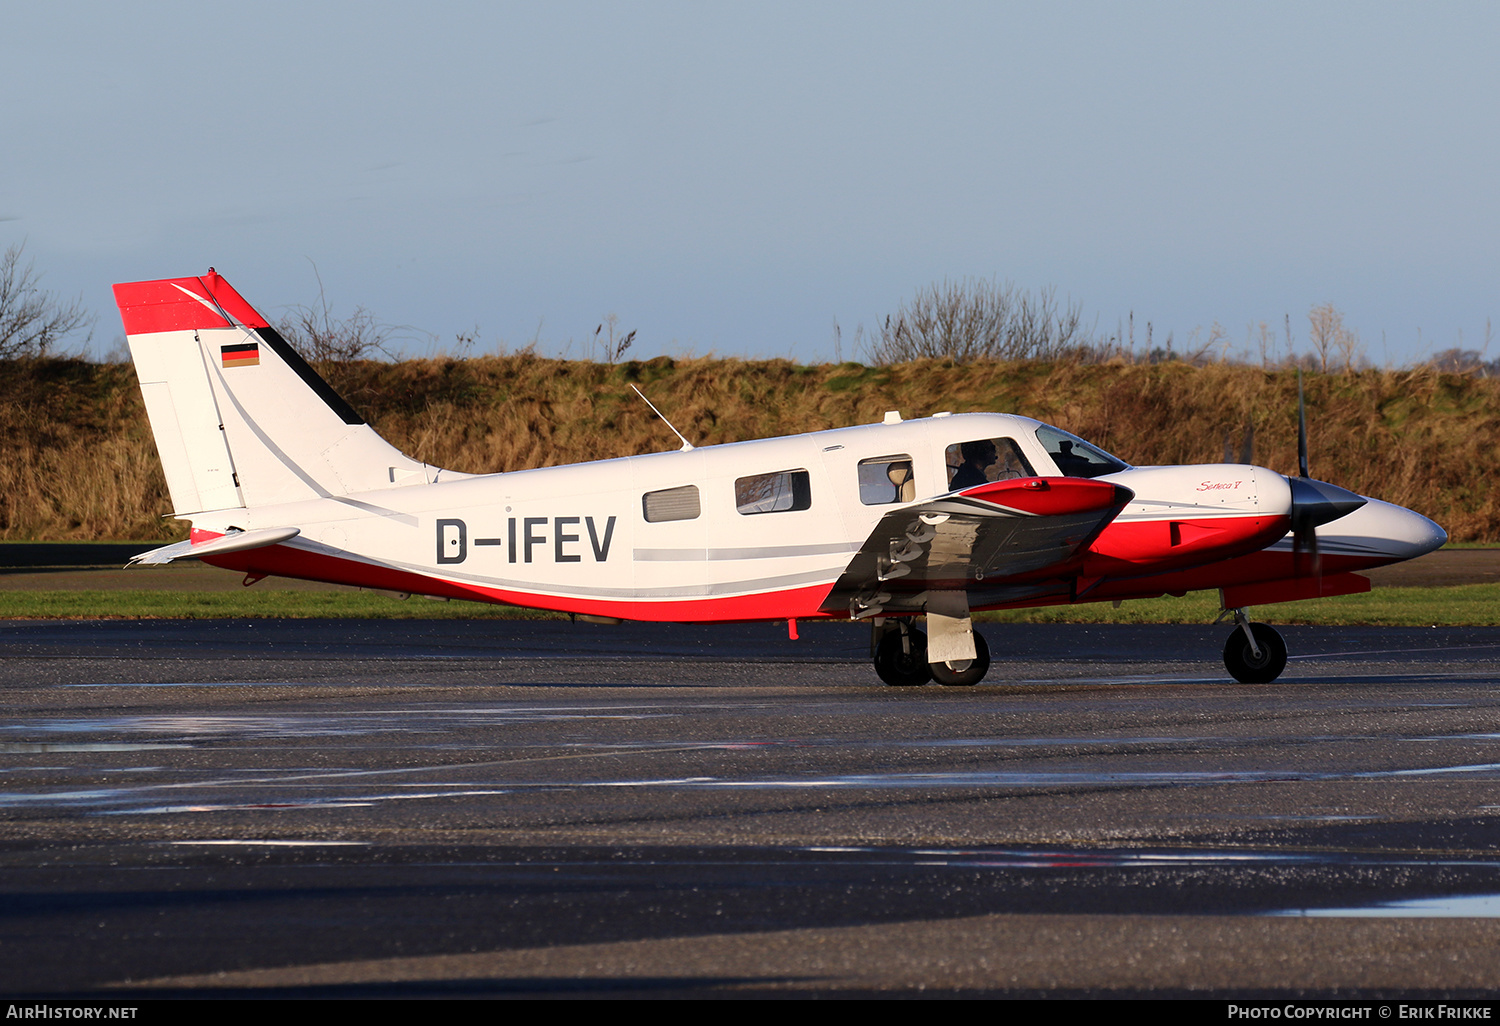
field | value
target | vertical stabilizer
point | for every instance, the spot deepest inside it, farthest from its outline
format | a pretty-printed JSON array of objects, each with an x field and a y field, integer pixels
[{"x": 240, "y": 418}]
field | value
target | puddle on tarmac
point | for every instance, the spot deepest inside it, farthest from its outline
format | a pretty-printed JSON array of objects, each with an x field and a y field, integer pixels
[
  {"x": 353, "y": 802},
  {"x": 1476, "y": 906},
  {"x": 1106, "y": 859},
  {"x": 1088, "y": 858},
  {"x": 1034, "y": 778},
  {"x": 354, "y": 723},
  {"x": 33, "y": 747},
  {"x": 1042, "y": 858},
  {"x": 269, "y": 786},
  {"x": 276, "y": 843}
]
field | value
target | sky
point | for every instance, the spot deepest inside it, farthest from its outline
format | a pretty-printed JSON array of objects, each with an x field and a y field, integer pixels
[{"x": 736, "y": 179}]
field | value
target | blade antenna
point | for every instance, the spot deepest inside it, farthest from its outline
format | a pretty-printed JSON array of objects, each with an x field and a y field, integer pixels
[{"x": 686, "y": 445}]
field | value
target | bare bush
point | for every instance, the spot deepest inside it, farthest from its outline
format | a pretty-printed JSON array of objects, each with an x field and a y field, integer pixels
[
  {"x": 32, "y": 322},
  {"x": 1465, "y": 361},
  {"x": 975, "y": 319},
  {"x": 1213, "y": 349},
  {"x": 323, "y": 338},
  {"x": 614, "y": 345},
  {"x": 1330, "y": 338}
]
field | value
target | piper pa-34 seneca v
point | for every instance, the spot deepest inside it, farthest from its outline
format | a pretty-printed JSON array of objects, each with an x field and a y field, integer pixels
[{"x": 893, "y": 522}]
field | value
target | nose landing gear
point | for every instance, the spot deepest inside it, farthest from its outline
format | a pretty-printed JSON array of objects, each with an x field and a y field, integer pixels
[{"x": 1255, "y": 652}]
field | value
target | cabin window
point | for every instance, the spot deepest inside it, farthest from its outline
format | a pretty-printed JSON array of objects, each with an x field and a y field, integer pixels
[
  {"x": 671, "y": 504},
  {"x": 1075, "y": 457},
  {"x": 773, "y": 493},
  {"x": 984, "y": 460},
  {"x": 886, "y": 479}
]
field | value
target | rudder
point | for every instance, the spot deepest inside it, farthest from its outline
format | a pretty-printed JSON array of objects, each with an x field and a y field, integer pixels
[{"x": 240, "y": 419}]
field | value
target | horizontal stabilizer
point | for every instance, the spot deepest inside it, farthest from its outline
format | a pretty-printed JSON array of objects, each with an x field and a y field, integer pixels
[{"x": 234, "y": 541}]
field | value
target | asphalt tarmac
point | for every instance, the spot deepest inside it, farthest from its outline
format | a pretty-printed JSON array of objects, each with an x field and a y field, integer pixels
[{"x": 491, "y": 808}]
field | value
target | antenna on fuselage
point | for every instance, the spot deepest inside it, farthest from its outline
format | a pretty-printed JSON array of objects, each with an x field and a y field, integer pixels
[{"x": 686, "y": 445}]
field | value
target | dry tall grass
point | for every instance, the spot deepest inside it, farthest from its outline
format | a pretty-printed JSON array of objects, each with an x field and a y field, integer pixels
[{"x": 79, "y": 461}]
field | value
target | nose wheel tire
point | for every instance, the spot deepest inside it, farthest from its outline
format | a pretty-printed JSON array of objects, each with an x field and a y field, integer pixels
[
  {"x": 1241, "y": 661},
  {"x": 903, "y": 665},
  {"x": 967, "y": 673}
]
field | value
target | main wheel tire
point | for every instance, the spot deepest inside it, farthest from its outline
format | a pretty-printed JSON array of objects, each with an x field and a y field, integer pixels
[
  {"x": 967, "y": 673},
  {"x": 1241, "y": 663},
  {"x": 903, "y": 668}
]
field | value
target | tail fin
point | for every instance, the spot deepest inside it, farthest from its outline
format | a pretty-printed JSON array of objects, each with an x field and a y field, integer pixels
[{"x": 240, "y": 418}]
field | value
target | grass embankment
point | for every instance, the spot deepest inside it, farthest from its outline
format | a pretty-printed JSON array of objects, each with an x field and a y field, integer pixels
[
  {"x": 1465, "y": 605},
  {"x": 80, "y": 462}
]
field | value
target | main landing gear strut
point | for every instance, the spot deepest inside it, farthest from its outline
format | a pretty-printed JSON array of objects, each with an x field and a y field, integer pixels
[
  {"x": 1254, "y": 653},
  {"x": 899, "y": 651}
]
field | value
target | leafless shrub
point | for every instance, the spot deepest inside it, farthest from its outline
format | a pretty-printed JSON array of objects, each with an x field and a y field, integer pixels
[
  {"x": 1213, "y": 349},
  {"x": 975, "y": 319},
  {"x": 1330, "y": 338},
  {"x": 1465, "y": 361},
  {"x": 1265, "y": 336},
  {"x": 614, "y": 346},
  {"x": 32, "y": 322},
  {"x": 323, "y": 338},
  {"x": 464, "y": 343}
]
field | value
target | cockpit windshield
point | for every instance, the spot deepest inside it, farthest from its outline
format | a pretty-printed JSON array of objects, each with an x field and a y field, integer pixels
[{"x": 1075, "y": 457}]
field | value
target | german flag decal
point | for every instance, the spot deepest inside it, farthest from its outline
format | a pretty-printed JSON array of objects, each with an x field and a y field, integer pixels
[{"x": 246, "y": 354}]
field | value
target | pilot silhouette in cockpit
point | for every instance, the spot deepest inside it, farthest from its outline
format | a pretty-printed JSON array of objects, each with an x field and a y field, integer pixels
[
  {"x": 1070, "y": 463},
  {"x": 978, "y": 457}
]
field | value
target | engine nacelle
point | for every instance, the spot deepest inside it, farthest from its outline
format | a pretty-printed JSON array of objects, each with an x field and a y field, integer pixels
[{"x": 1183, "y": 516}]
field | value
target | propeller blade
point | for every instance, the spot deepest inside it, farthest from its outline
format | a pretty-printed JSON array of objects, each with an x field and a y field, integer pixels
[
  {"x": 1301, "y": 429},
  {"x": 1306, "y": 561},
  {"x": 1247, "y": 444},
  {"x": 1314, "y": 503}
]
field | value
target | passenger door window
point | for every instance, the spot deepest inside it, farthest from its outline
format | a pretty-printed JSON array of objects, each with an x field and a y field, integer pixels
[
  {"x": 886, "y": 479},
  {"x": 773, "y": 493}
]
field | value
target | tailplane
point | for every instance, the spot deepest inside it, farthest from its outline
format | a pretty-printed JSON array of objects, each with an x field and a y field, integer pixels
[{"x": 240, "y": 418}]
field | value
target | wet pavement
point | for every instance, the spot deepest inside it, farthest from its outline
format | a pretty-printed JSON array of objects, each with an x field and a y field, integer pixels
[{"x": 465, "y": 808}]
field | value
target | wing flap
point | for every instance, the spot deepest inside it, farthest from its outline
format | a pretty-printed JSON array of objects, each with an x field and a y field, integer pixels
[{"x": 990, "y": 541}]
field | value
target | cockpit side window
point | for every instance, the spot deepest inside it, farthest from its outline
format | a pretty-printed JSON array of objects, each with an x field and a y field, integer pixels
[
  {"x": 886, "y": 479},
  {"x": 1075, "y": 457},
  {"x": 984, "y": 460}
]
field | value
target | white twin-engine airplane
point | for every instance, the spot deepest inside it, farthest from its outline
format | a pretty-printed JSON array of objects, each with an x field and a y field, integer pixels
[{"x": 886, "y": 522}]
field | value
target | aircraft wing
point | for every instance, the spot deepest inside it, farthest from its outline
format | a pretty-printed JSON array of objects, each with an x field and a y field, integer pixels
[{"x": 989, "y": 541}]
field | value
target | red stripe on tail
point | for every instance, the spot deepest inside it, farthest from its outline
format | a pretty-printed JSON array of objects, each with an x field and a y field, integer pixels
[{"x": 177, "y": 304}]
